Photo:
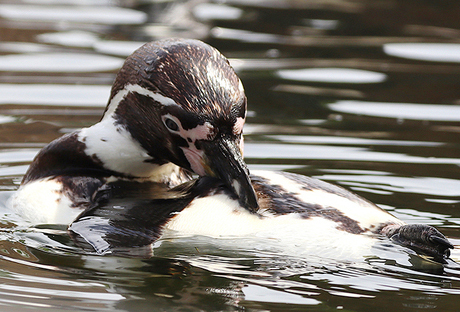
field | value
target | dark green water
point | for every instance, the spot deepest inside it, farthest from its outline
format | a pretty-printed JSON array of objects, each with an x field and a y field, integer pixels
[{"x": 364, "y": 94}]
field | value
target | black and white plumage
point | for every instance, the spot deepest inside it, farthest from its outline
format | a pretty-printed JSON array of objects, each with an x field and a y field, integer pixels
[
  {"x": 304, "y": 215},
  {"x": 178, "y": 107}
]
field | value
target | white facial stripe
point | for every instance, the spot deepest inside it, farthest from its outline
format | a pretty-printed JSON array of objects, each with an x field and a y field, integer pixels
[
  {"x": 140, "y": 90},
  {"x": 200, "y": 132}
]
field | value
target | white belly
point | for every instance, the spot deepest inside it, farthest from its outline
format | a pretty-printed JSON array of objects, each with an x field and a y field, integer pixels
[
  {"x": 220, "y": 217},
  {"x": 43, "y": 202}
]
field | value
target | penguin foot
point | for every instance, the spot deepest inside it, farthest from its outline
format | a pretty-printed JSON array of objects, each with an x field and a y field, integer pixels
[{"x": 422, "y": 238}]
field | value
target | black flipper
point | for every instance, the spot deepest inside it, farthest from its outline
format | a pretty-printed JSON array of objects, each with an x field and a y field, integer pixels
[
  {"x": 121, "y": 228},
  {"x": 422, "y": 238},
  {"x": 129, "y": 220}
]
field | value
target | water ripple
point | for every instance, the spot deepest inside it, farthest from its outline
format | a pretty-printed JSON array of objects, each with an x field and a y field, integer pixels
[
  {"x": 59, "y": 62},
  {"x": 82, "y": 14}
]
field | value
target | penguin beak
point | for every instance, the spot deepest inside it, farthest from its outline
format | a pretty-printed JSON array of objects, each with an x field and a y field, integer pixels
[{"x": 222, "y": 159}]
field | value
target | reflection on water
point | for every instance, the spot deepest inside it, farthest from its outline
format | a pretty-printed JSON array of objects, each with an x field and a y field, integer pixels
[
  {"x": 54, "y": 95},
  {"x": 434, "y": 52},
  {"x": 399, "y": 110},
  {"x": 210, "y": 12},
  {"x": 74, "y": 38},
  {"x": 99, "y": 14},
  {"x": 344, "y": 153},
  {"x": 364, "y": 94},
  {"x": 58, "y": 62},
  {"x": 333, "y": 75},
  {"x": 121, "y": 48}
]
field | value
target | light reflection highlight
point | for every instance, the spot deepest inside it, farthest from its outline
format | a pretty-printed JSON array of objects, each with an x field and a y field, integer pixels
[
  {"x": 303, "y": 139},
  {"x": 59, "y": 62},
  {"x": 209, "y": 11},
  {"x": 411, "y": 111},
  {"x": 413, "y": 185},
  {"x": 341, "y": 153},
  {"x": 81, "y": 14},
  {"x": 75, "y": 38},
  {"x": 54, "y": 95},
  {"x": 332, "y": 75},
  {"x": 434, "y": 52},
  {"x": 264, "y": 294},
  {"x": 119, "y": 48}
]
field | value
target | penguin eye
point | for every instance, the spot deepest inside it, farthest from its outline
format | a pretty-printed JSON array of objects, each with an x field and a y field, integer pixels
[{"x": 171, "y": 124}]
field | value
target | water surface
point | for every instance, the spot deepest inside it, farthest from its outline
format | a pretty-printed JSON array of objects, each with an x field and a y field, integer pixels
[{"x": 364, "y": 94}]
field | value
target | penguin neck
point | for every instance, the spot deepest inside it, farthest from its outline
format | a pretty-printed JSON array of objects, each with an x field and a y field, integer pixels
[{"x": 118, "y": 151}]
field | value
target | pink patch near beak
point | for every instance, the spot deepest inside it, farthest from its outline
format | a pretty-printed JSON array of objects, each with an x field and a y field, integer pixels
[{"x": 195, "y": 159}]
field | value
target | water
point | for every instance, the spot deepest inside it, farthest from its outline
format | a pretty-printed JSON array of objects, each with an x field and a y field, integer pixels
[{"x": 363, "y": 94}]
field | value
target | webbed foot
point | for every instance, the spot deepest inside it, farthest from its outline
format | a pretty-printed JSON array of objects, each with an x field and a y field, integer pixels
[{"x": 422, "y": 238}]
